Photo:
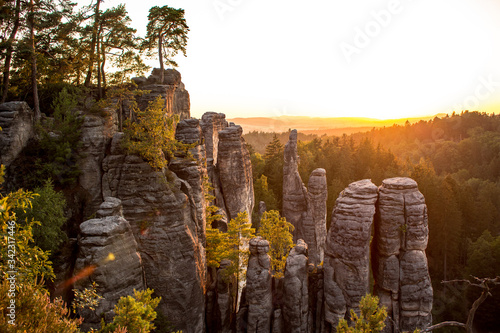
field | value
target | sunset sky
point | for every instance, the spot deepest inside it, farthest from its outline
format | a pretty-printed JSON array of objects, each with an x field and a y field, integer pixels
[{"x": 326, "y": 58}]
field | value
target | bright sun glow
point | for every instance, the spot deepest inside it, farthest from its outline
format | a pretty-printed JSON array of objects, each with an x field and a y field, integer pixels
[{"x": 378, "y": 59}]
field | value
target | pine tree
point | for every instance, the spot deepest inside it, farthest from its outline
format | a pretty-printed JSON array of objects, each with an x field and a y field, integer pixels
[{"x": 278, "y": 232}]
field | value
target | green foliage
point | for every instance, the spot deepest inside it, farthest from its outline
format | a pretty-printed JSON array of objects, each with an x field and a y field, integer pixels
[
  {"x": 278, "y": 232},
  {"x": 136, "y": 313},
  {"x": 371, "y": 318},
  {"x": 47, "y": 207},
  {"x": 35, "y": 312},
  {"x": 231, "y": 245},
  {"x": 86, "y": 298},
  {"x": 16, "y": 241},
  {"x": 59, "y": 141},
  {"x": 153, "y": 134}
]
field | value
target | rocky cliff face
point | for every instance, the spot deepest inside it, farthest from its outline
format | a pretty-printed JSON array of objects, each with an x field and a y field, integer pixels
[
  {"x": 347, "y": 257},
  {"x": 163, "y": 215},
  {"x": 398, "y": 255},
  {"x": 108, "y": 256},
  {"x": 16, "y": 121}
]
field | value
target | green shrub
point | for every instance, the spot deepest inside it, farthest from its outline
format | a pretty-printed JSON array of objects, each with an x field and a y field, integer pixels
[{"x": 47, "y": 207}]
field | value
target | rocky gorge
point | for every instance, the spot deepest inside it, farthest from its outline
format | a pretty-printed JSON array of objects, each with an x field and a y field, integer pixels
[{"x": 139, "y": 228}]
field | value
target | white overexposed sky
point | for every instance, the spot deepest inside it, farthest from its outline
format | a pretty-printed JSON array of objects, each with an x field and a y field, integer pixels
[{"x": 336, "y": 58}]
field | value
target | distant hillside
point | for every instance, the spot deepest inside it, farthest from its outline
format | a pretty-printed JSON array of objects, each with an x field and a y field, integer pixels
[{"x": 317, "y": 125}]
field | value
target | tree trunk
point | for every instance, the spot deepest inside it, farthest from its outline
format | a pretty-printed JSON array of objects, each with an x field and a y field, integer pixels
[
  {"x": 120, "y": 117},
  {"x": 475, "y": 305},
  {"x": 99, "y": 87},
  {"x": 160, "y": 55},
  {"x": 36, "y": 105},
  {"x": 103, "y": 74},
  {"x": 92, "y": 45},
  {"x": 10, "y": 48}
]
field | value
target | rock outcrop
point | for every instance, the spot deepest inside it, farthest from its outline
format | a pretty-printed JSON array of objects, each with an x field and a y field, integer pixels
[
  {"x": 259, "y": 287},
  {"x": 314, "y": 224},
  {"x": 162, "y": 215},
  {"x": 295, "y": 290},
  {"x": 294, "y": 191},
  {"x": 192, "y": 169},
  {"x": 16, "y": 121},
  {"x": 399, "y": 262},
  {"x": 347, "y": 255},
  {"x": 96, "y": 134},
  {"x": 172, "y": 90},
  {"x": 235, "y": 172},
  {"x": 108, "y": 256}
]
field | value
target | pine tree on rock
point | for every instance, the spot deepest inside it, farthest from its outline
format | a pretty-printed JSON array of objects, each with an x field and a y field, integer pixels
[{"x": 167, "y": 34}]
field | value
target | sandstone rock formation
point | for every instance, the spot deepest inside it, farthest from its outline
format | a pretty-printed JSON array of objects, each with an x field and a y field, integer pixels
[
  {"x": 16, "y": 121},
  {"x": 225, "y": 299},
  {"x": 172, "y": 90},
  {"x": 96, "y": 134},
  {"x": 258, "y": 289},
  {"x": 108, "y": 250},
  {"x": 192, "y": 169},
  {"x": 162, "y": 214},
  {"x": 314, "y": 225},
  {"x": 294, "y": 191},
  {"x": 399, "y": 263},
  {"x": 295, "y": 293},
  {"x": 235, "y": 172},
  {"x": 347, "y": 254}
]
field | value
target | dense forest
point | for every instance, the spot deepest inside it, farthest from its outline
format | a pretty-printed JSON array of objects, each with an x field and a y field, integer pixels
[{"x": 456, "y": 163}]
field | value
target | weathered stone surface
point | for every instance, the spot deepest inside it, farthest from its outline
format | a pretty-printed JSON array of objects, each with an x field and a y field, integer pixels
[
  {"x": 259, "y": 287},
  {"x": 211, "y": 123},
  {"x": 16, "y": 121},
  {"x": 235, "y": 172},
  {"x": 398, "y": 255},
  {"x": 294, "y": 191},
  {"x": 160, "y": 210},
  {"x": 110, "y": 207},
  {"x": 347, "y": 255},
  {"x": 96, "y": 134},
  {"x": 316, "y": 298},
  {"x": 295, "y": 293},
  {"x": 225, "y": 299},
  {"x": 314, "y": 225},
  {"x": 192, "y": 169},
  {"x": 172, "y": 90},
  {"x": 108, "y": 250}
]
